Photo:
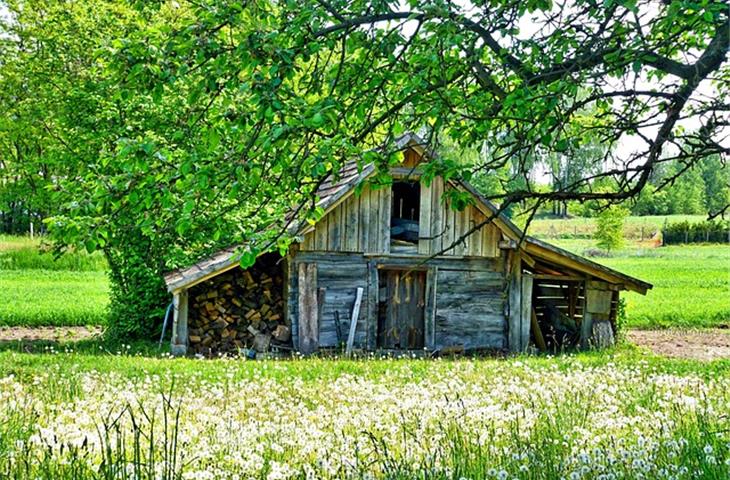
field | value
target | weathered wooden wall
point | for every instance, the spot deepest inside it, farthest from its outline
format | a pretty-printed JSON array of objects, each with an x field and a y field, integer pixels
[
  {"x": 361, "y": 223},
  {"x": 469, "y": 309},
  {"x": 464, "y": 304},
  {"x": 338, "y": 278}
]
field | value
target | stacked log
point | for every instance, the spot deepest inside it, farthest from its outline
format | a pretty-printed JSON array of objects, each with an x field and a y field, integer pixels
[{"x": 241, "y": 309}]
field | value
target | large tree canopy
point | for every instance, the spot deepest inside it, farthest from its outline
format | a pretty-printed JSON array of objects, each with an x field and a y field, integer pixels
[{"x": 181, "y": 126}]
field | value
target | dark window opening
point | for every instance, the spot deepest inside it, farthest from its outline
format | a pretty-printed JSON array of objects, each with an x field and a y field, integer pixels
[{"x": 405, "y": 210}]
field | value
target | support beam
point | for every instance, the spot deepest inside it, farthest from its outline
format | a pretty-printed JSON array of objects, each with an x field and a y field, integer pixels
[
  {"x": 179, "y": 342},
  {"x": 525, "y": 311},
  {"x": 515, "y": 332},
  {"x": 308, "y": 310}
]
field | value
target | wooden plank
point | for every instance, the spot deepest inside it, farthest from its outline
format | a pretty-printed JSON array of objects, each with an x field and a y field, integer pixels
[
  {"x": 320, "y": 233},
  {"x": 308, "y": 242},
  {"x": 333, "y": 231},
  {"x": 372, "y": 306},
  {"x": 457, "y": 220},
  {"x": 411, "y": 314},
  {"x": 343, "y": 260},
  {"x": 525, "y": 312},
  {"x": 430, "y": 307},
  {"x": 529, "y": 261},
  {"x": 321, "y": 299},
  {"x": 490, "y": 240},
  {"x": 514, "y": 303},
  {"x": 566, "y": 278},
  {"x": 308, "y": 321},
  {"x": 375, "y": 219},
  {"x": 424, "y": 220},
  {"x": 353, "y": 321},
  {"x": 365, "y": 220},
  {"x": 411, "y": 158},
  {"x": 292, "y": 299},
  {"x": 464, "y": 225},
  {"x": 449, "y": 217},
  {"x": 343, "y": 225},
  {"x": 352, "y": 221},
  {"x": 437, "y": 216},
  {"x": 598, "y": 301},
  {"x": 384, "y": 236},
  {"x": 475, "y": 218},
  {"x": 405, "y": 173},
  {"x": 179, "y": 341}
]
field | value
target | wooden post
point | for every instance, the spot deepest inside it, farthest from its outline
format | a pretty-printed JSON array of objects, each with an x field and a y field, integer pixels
[
  {"x": 179, "y": 342},
  {"x": 308, "y": 318},
  {"x": 514, "y": 320},
  {"x": 525, "y": 312},
  {"x": 353, "y": 322}
]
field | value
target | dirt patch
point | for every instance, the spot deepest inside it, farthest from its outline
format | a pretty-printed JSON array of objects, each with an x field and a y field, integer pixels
[
  {"x": 53, "y": 334},
  {"x": 711, "y": 344}
]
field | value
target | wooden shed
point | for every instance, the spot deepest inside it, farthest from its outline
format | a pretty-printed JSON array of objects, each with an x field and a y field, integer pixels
[{"x": 377, "y": 257}]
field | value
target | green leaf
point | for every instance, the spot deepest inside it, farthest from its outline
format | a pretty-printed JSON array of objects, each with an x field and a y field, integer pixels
[
  {"x": 90, "y": 245},
  {"x": 214, "y": 139}
]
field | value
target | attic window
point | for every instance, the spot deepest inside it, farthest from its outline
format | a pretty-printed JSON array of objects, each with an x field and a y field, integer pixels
[{"x": 405, "y": 210}]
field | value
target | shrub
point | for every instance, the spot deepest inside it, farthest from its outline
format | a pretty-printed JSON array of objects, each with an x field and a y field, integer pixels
[
  {"x": 138, "y": 296},
  {"x": 699, "y": 232},
  {"x": 610, "y": 227}
]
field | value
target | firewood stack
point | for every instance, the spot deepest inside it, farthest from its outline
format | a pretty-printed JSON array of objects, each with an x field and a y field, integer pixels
[{"x": 237, "y": 310}]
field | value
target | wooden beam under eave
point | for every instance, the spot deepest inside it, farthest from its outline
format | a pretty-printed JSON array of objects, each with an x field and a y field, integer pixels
[
  {"x": 528, "y": 259},
  {"x": 179, "y": 340}
]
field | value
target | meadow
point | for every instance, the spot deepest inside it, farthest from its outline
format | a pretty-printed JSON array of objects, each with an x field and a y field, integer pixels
[
  {"x": 620, "y": 414},
  {"x": 39, "y": 288}
]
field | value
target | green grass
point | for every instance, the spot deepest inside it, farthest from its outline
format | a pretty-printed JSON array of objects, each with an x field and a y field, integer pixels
[
  {"x": 579, "y": 227},
  {"x": 89, "y": 413},
  {"x": 43, "y": 297},
  {"x": 691, "y": 283},
  {"x": 38, "y": 288}
]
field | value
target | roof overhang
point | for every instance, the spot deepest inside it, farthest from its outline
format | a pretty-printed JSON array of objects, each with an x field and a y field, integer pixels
[
  {"x": 558, "y": 256},
  {"x": 220, "y": 262}
]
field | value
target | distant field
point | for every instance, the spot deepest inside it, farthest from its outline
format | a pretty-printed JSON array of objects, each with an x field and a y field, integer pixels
[
  {"x": 22, "y": 253},
  {"x": 691, "y": 283},
  {"x": 579, "y": 227},
  {"x": 38, "y": 289}
]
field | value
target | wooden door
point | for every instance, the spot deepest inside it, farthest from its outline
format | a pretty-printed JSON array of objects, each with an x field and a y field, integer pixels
[{"x": 401, "y": 323}]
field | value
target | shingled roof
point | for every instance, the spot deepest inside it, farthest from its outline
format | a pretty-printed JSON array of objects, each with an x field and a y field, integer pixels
[{"x": 336, "y": 187}]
